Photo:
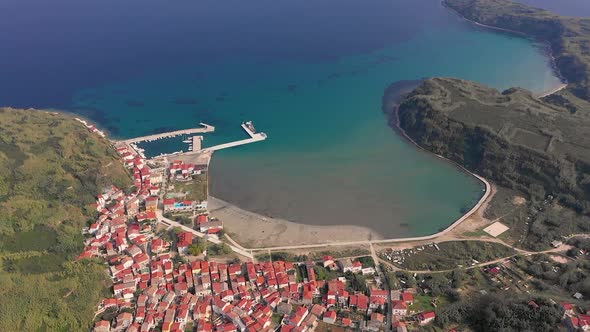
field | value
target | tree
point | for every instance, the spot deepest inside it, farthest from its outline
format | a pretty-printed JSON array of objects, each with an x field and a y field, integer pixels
[
  {"x": 195, "y": 249},
  {"x": 457, "y": 278},
  {"x": 198, "y": 247},
  {"x": 219, "y": 249}
]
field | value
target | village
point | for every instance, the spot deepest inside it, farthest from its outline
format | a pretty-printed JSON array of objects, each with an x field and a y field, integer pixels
[
  {"x": 164, "y": 278},
  {"x": 173, "y": 269}
]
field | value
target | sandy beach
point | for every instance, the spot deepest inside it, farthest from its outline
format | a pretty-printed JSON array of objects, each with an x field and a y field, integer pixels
[{"x": 253, "y": 230}]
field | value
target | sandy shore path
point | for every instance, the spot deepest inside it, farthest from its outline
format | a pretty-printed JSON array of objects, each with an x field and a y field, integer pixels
[{"x": 252, "y": 230}]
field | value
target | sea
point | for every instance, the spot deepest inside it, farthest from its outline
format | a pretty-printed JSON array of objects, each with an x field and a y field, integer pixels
[{"x": 310, "y": 74}]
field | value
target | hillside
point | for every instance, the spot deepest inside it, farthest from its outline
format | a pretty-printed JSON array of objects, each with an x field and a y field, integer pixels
[
  {"x": 52, "y": 169},
  {"x": 511, "y": 137}
]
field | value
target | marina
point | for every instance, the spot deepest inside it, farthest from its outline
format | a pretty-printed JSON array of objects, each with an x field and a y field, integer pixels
[{"x": 195, "y": 143}]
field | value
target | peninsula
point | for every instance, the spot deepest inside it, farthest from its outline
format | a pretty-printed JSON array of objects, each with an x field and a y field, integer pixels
[{"x": 537, "y": 147}]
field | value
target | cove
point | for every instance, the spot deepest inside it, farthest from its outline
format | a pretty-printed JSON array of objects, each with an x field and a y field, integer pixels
[{"x": 310, "y": 75}]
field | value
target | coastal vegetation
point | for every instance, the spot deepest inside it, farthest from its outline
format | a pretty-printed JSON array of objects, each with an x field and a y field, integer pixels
[
  {"x": 52, "y": 169},
  {"x": 535, "y": 148},
  {"x": 494, "y": 312}
]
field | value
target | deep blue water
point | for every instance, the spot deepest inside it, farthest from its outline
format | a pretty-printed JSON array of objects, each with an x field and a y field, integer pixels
[{"x": 310, "y": 74}]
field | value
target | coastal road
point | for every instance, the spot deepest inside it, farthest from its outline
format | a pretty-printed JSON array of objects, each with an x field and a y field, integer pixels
[{"x": 211, "y": 238}]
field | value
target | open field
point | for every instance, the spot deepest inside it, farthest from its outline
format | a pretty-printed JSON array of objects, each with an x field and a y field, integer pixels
[
  {"x": 195, "y": 189},
  {"x": 447, "y": 255}
]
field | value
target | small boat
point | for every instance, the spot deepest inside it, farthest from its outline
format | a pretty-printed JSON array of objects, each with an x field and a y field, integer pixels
[
  {"x": 250, "y": 126},
  {"x": 187, "y": 141}
]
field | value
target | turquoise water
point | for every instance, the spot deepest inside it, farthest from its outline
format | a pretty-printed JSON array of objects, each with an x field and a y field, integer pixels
[{"x": 314, "y": 86}]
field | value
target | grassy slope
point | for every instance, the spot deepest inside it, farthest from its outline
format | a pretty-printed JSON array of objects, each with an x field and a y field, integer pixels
[
  {"x": 52, "y": 170},
  {"x": 514, "y": 139}
]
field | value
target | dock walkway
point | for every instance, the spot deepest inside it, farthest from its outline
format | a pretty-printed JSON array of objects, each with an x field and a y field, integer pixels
[
  {"x": 254, "y": 137},
  {"x": 205, "y": 129}
]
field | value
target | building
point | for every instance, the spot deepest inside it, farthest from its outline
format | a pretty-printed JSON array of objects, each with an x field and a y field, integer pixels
[
  {"x": 330, "y": 317},
  {"x": 399, "y": 308},
  {"x": 426, "y": 317},
  {"x": 211, "y": 227},
  {"x": 185, "y": 239},
  {"x": 151, "y": 204}
]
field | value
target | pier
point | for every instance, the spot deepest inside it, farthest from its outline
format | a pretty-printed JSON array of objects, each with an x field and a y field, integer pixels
[
  {"x": 204, "y": 129},
  {"x": 197, "y": 140},
  {"x": 197, "y": 144},
  {"x": 254, "y": 137}
]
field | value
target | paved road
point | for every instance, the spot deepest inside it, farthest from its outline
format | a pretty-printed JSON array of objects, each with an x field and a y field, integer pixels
[
  {"x": 385, "y": 285},
  {"x": 210, "y": 238}
]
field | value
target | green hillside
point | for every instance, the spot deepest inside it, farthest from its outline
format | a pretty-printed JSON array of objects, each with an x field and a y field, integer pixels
[{"x": 52, "y": 169}]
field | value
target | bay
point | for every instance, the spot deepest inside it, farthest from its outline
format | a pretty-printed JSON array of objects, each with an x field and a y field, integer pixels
[{"x": 309, "y": 74}]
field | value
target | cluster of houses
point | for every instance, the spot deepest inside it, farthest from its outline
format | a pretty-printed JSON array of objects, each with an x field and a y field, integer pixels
[
  {"x": 174, "y": 205},
  {"x": 209, "y": 226},
  {"x": 91, "y": 128},
  {"x": 347, "y": 265},
  {"x": 125, "y": 219},
  {"x": 180, "y": 171},
  {"x": 154, "y": 290},
  {"x": 575, "y": 319},
  {"x": 150, "y": 292}
]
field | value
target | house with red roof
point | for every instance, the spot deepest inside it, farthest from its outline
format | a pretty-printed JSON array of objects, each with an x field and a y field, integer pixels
[
  {"x": 185, "y": 239},
  {"x": 102, "y": 326},
  {"x": 328, "y": 261},
  {"x": 359, "y": 301},
  {"x": 408, "y": 298},
  {"x": 568, "y": 308},
  {"x": 298, "y": 316},
  {"x": 330, "y": 317},
  {"x": 347, "y": 322},
  {"x": 399, "y": 308},
  {"x": 426, "y": 317},
  {"x": 169, "y": 204}
]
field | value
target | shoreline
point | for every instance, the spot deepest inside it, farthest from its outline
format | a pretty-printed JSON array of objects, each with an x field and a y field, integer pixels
[
  {"x": 257, "y": 231},
  {"x": 343, "y": 232}
]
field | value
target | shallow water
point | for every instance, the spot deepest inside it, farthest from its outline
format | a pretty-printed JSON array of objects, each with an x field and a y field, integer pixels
[{"x": 309, "y": 74}]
